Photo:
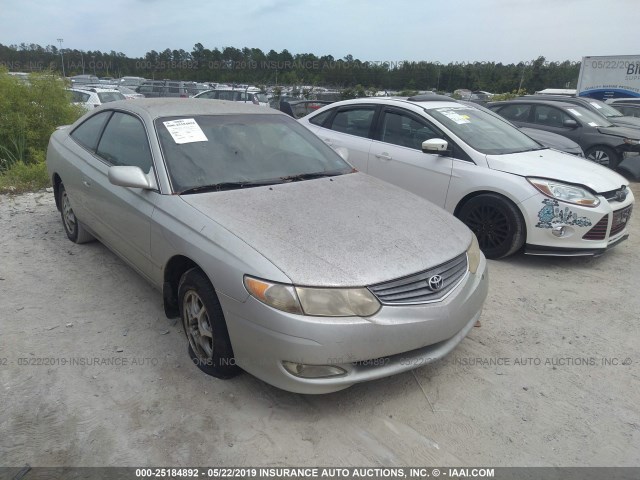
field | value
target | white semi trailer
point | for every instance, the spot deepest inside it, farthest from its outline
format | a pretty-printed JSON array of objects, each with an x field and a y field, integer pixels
[{"x": 606, "y": 77}]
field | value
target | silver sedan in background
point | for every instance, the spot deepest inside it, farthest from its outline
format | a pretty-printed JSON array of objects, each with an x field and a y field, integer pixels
[{"x": 278, "y": 256}]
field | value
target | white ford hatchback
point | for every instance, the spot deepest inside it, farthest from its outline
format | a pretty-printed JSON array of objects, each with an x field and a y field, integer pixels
[{"x": 510, "y": 190}]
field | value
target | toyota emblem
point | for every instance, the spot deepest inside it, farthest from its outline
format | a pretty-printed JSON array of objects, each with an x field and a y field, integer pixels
[{"x": 435, "y": 283}]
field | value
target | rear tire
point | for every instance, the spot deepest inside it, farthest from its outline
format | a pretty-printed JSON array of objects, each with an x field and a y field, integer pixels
[
  {"x": 72, "y": 226},
  {"x": 605, "y": 156},
  {"x": 204, "y": 324},
  {"x": 496, "y": 222}
]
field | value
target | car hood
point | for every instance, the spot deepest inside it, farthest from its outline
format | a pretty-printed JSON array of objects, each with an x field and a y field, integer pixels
[
  {"x": 350, "y": 230},
  {"x": 559, "y": 166},
  {"x": 624, "y": 132},
  {"x": 551, "y": 140},
  {"x": 626, "y": 121}
]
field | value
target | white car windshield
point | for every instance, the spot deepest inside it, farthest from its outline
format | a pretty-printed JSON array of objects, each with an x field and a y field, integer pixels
[
  {"x": 482, "y": 131},
  {"x": 222, "y": 152}
]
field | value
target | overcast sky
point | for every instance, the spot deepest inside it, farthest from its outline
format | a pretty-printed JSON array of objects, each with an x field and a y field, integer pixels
[{"x": 505, "y": 31}]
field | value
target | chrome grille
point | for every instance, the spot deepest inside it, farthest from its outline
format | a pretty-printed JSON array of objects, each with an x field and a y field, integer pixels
[{"x": 415, "y": 288}]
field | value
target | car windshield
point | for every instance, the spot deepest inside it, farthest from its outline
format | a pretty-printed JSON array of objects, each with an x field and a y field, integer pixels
[
  {"x": 262, "y": 97},
  {"x": 587, "y": 116},
  {"x": 482, "y": 131},
  {"x": 606, "y": 110},
  {"x": 218, "y": 152}
]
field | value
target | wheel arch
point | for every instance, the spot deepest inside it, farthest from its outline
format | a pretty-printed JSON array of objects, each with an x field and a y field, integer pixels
[
  {"x": 56, "y": 182},
  {"x": 173, "y": 271},
  {"x": 477, "y": 193}
]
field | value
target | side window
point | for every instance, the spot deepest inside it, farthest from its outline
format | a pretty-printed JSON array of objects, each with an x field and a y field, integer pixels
[
  {"x": 320, "y": 118},
  {"x": 518, "y": 112},
  {"x": 403, "y": 130},
  {"x": 124, "y": 142},
  {"x": 632, "y": 111},
  {"x": 88, "y": 133},
  {"x": 550, "y": 116},
  {"x": 79, "y": 96},
  {"x": 210, "y": 95},
  {"x": 225, "y": 95},
  {"x": 354, "y": 121}
]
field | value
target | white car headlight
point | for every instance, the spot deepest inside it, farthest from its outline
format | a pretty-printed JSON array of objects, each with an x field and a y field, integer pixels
[
  {"x": 320, "y": 302},
  {"x": 474, "y": 254},
  {"x": 565, "y": 192}
]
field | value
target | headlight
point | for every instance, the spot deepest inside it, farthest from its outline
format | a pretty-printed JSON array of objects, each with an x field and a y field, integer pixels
[
  {"x": 631, "y": 141},
  {"x": 565, "y": 192},
  {"x": 473, "y": 254},
  {"x": 321, "y": 302}
]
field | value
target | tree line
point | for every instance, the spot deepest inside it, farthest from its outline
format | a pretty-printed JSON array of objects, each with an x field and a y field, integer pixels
[{"x": 253, "y": 66}]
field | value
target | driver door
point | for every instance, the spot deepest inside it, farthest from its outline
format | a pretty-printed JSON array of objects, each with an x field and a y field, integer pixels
[{"x": 396, "y": 155}]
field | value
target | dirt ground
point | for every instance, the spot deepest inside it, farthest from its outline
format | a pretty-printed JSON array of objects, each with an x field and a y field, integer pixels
[{"x": 92, "y": 373}]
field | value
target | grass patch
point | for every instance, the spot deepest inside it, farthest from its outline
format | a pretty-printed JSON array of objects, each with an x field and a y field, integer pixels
[{"x": 20, "y": 178}]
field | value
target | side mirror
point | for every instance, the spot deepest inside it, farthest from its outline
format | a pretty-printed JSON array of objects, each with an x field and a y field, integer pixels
[
  {"x": 570, "y": 123},
  {"x": 434, "y": 145},
  {"x": 132, "y": 177},
  {"x": 343, "y": 152}
]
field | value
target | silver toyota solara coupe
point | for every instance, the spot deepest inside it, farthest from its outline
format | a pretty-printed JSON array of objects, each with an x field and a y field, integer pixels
[{"x": 280, "y": 258}]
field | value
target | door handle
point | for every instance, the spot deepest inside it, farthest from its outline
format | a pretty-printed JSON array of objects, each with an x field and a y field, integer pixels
[
  {"x": 383, "y": 156},
  {"x": 86, "y": 182},
  {"x": 328, "y": 142}
]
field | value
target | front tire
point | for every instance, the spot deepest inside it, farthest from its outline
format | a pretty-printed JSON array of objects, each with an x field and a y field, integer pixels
[
  {"x": 496, "y": 222},
  {"x": 204, "y": 324},
  {"x": 72, "y": 226},
  {"x": 605, "y": 156}
]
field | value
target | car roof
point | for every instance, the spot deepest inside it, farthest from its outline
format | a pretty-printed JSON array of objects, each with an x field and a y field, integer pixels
[
  {"x": 561, "y": 98},
  {"x": 624, "y": 100},
  {"x": 171, "y": 107},
  {"x": 93, "y": 89},
  {"x": 424, "y": 101},
  {"x": 534, "y": 101}
]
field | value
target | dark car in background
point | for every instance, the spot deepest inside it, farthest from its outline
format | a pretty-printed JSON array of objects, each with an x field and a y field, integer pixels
[
  {"x": 601, "y": 141},
  {"x": 627, "y": 106},
  {"x": 548, "y": 139},
  {"x": 610, "y": 112}
]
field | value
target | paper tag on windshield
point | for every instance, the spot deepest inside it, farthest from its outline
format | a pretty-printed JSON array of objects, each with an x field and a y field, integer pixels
[
  {"x": 575, "y": 112},
  {"x": 456, "y": 117},
  {"x": 185, "y": 130}
]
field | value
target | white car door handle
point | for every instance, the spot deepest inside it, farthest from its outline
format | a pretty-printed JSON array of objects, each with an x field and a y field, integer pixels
[
  {"x": 328, "y": 141},
  {"x": 86, "y": 183},
  {"x": 383, "y": 156}
]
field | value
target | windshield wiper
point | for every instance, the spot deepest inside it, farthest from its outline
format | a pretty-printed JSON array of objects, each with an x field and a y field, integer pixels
[
  {"x": 310, "y": 176},
  {"x": 217, "y": 187}
]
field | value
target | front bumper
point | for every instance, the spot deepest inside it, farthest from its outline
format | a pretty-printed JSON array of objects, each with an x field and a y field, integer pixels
[
  {"x": 396, "y": 339},
  {"x": 587, "y": 231}
]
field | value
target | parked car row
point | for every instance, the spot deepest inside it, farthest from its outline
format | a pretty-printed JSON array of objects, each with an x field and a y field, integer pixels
[{"x": 346, "y": 246}]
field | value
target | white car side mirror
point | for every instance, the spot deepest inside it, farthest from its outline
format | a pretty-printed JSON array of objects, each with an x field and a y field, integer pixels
[{"x": 434, "y": 145}]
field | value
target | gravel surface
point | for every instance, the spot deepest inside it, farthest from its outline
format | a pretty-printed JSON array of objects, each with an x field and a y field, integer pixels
[{"x": 92, "y": 373}]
